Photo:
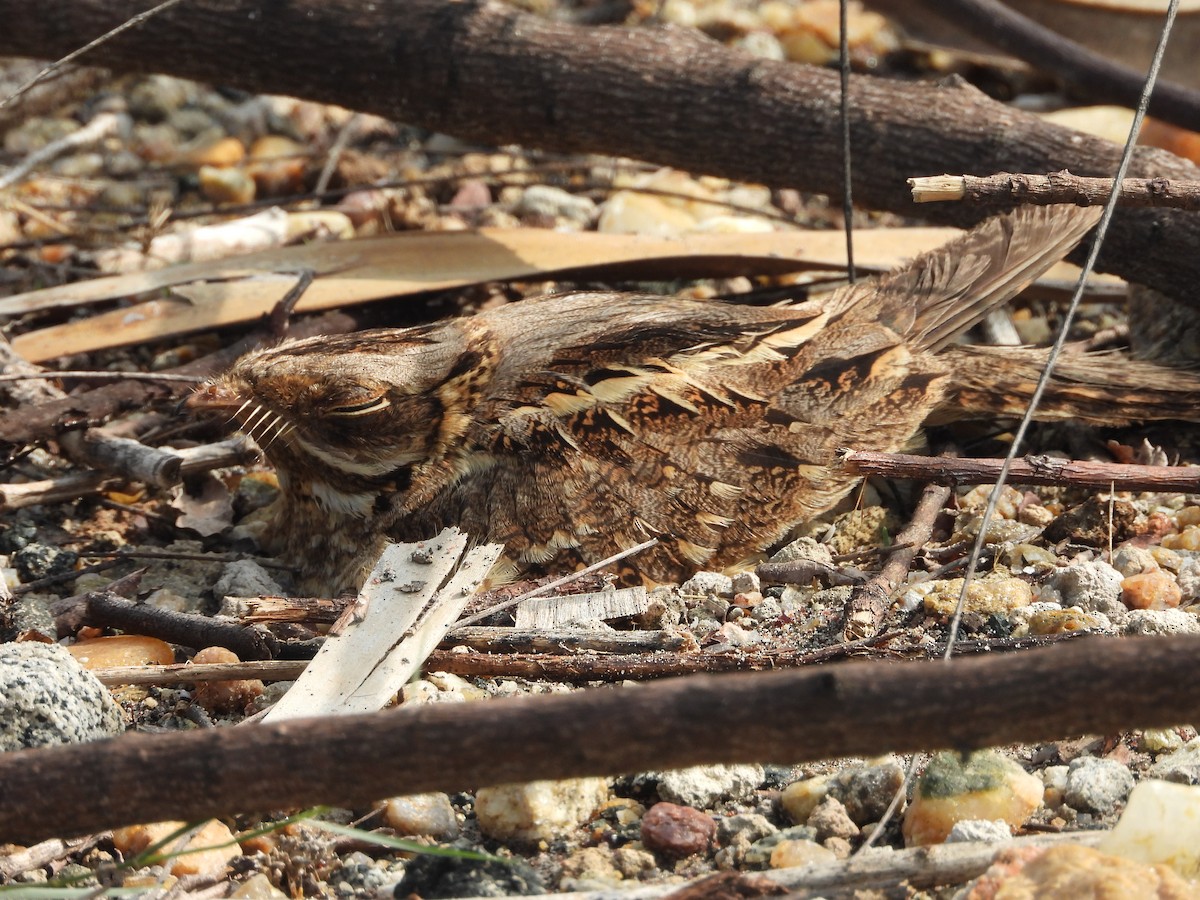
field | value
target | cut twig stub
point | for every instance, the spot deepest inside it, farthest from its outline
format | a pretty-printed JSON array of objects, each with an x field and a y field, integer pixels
[{"x": 409, "y": 602}]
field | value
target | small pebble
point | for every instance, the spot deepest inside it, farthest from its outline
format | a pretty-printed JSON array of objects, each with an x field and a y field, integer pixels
[
  {"x": 703, "y": 786},
  {"x": 539, "y": 810},
  {"x": 800, "y": 798},
  {"x": 1151, "y": 590},
  {"x": 224, "y": 696},
  {"x": 1097, "y": 785},
  {"x": 1188, "y": 539},
  {"x": 677, "y": 831},
  {"x": 122, "y": 650},
  {"x": 1160, "y": 824},
  {"x": 992, "y": 594},
  {"x": 830, "y": 819},
  {"x": 1069, "y": 870},
  {"x": 220, "y": 185},
  {"x": 422, "y": 815},
  {"x": 211, "y": 862},
  {"x": 983, "y": 786},
  {"x": 792, "y": 854},
  {"x": 972, "y": 830}
]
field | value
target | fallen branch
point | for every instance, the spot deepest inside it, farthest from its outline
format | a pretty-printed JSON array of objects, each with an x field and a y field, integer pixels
[
  {"x": 853, "y": 709},
  {"x": 1006, "y": 188},
  {"x": 1030, "y": 470},
  {"x": 489, "y": 73}
]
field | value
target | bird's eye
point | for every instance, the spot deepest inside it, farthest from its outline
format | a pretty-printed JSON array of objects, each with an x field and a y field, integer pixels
[{"x": 366, "y": 407}]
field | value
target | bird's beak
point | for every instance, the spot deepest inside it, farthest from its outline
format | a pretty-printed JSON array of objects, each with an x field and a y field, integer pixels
[{"x": 213, "y": 397}]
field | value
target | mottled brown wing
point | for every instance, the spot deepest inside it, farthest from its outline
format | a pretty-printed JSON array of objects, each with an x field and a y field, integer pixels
[
  {"x": 942, "y": 293},
  {"x": 712, "y": 427}
]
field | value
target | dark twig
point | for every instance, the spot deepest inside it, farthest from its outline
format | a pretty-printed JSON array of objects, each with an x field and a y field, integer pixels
[
  {"x": 849, "y": 709},
  {"x": 1084, "y": 70},
  {"x": 104, "y": 608},
  {"x": 279, "y": 321}
]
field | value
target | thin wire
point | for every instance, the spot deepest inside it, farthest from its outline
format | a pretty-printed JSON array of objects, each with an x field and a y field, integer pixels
[
  {"x": 847, "y": 204},
  {"x": 75, "y": 54},
  {"x": 1060, "y": 341}
]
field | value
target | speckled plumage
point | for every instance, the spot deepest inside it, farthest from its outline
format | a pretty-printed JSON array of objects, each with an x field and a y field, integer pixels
[{"x": 571, "y": 427}]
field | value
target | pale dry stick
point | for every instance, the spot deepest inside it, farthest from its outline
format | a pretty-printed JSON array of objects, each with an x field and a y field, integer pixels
[
  {"x": 1057, "y": 187},
  {"x": 100, "y": 127},
  {"x": 44, "y": 853},
  {"x": 869, "y": 602},
  {"x": 1069, "y": 317},
  {"x": 93, "y": 375},
  {"x": 1033, "y": 469},
  {"x": 74, "y": 55},
  {"x": 566, "y": 579},
  {"x": 335, "y": 153}
]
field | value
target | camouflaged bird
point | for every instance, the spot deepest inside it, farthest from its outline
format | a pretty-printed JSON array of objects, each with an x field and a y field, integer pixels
[{"x": 575, "y": 426}]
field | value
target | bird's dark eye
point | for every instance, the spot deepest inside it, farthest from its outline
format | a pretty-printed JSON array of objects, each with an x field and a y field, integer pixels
[{"x": 366, "y": 407}]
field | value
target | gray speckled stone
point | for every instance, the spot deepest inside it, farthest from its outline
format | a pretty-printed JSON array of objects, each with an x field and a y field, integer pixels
[
  {"x": 1182, "y": 766},
  {"x": 1097, "y": 785},
  {"x": 46, "y": 698},
  {"x": 245, "y": 578},
  {"x": 1092, "y": 586},
  {"x": 702, "y": 786}
]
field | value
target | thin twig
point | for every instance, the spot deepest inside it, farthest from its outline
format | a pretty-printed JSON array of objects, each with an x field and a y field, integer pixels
[
  {"x": 74, "y": 55},
  {"x": 100, "y": 127},
  {"x": 102, "y": 376},
  {"x": 1057, "y": 187}
]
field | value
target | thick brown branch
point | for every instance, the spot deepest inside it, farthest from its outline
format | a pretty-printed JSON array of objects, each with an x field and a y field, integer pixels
[
  {"x": 854, "y": 709},
  {"x": 487, "y": 72},
  {"x": 1030, "y": 470}
]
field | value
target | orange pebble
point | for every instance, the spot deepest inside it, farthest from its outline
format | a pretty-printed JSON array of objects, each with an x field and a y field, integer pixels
[
  {"x": 1150, "y": 590},
  {"x": 224, "y": 696},
  {"x": 122, "y": 650}
]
